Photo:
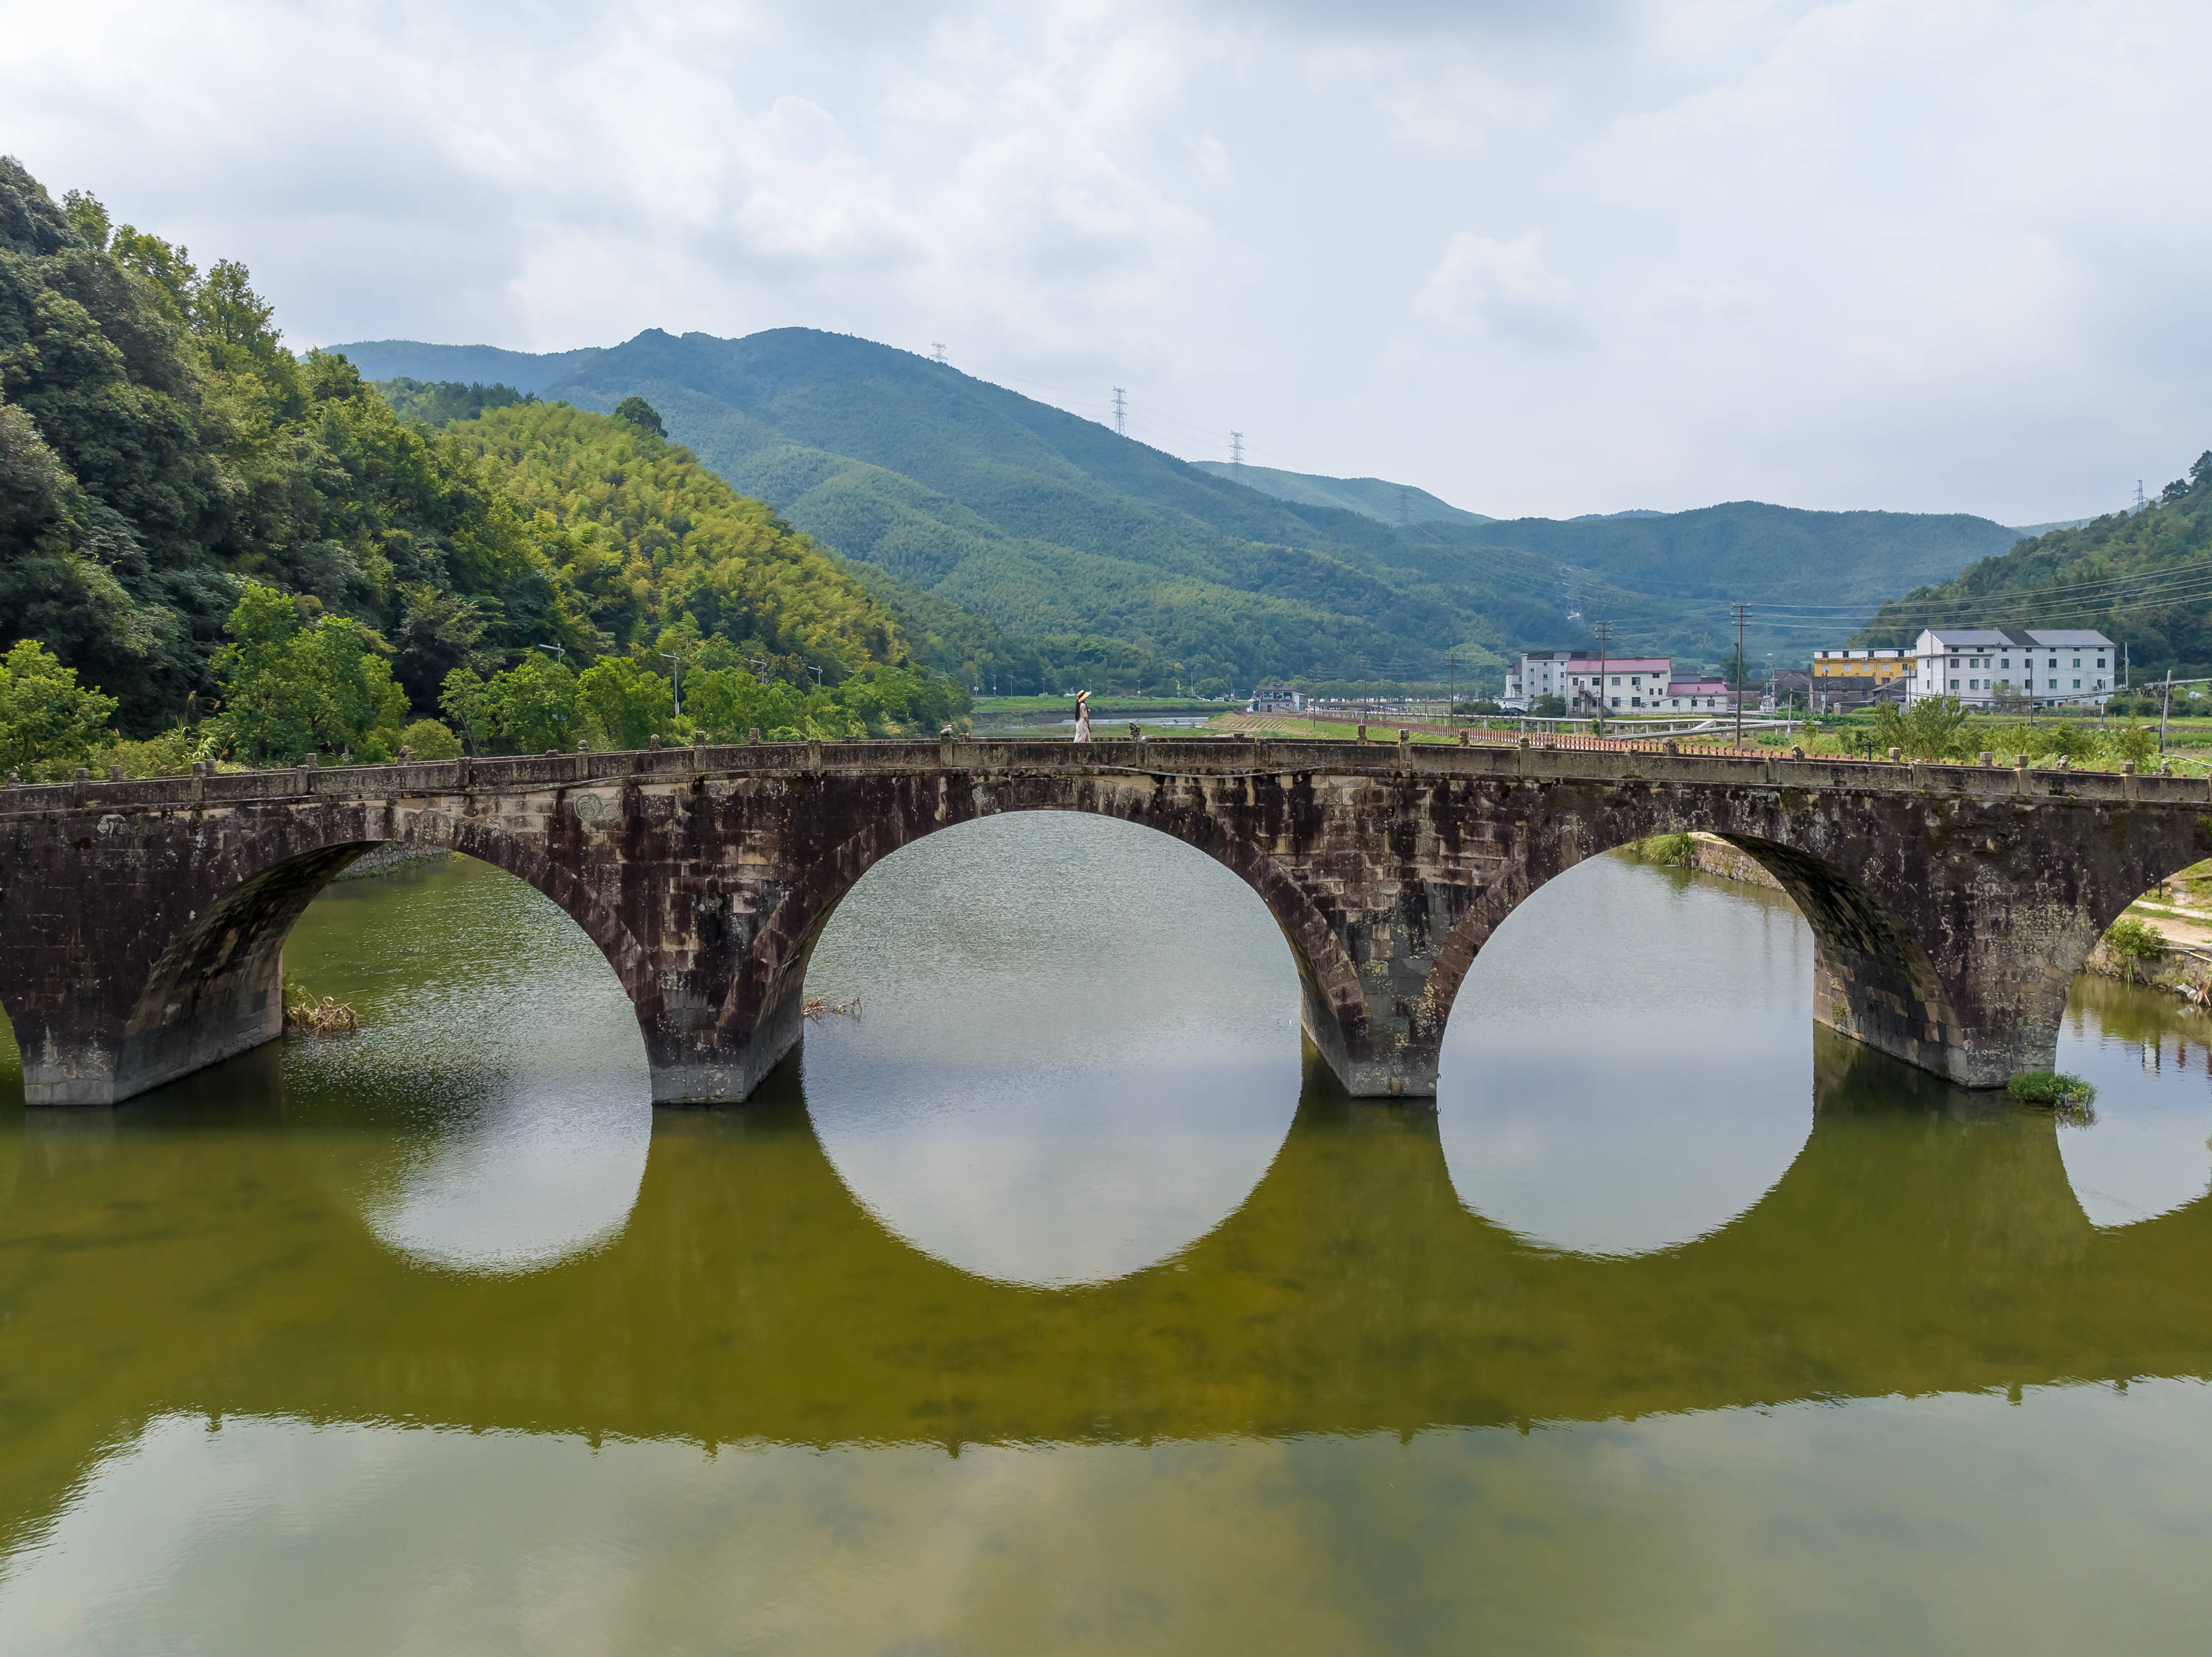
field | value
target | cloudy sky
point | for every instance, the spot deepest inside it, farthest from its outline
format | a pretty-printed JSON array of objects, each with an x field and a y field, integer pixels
[{"x": 1538, "y": 256}]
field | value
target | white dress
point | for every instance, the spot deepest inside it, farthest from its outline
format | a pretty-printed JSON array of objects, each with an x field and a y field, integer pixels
[{"x": 1083, "y": 723}]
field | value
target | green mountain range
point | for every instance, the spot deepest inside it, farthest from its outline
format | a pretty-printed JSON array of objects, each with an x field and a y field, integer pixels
[{"x": 1046, "y": 541}]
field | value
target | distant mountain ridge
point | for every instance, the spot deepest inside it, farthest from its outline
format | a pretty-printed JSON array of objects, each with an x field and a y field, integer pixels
[
  {"x": 1373, "y": 497},
  {"x": 1050, "y": 527}
]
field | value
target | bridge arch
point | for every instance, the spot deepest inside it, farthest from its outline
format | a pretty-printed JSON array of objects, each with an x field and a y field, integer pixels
[
  {"x": 1873, "y": 978},
  {"x": 216, "y": 988},
  {"x": 767, "y": 996}
]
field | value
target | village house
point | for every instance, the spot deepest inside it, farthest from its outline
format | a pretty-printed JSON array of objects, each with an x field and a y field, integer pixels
[{"x": 2054, "y": 667}]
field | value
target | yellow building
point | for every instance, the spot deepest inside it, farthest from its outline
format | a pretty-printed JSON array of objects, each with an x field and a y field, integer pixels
[{"x": 1881, "y": 666}]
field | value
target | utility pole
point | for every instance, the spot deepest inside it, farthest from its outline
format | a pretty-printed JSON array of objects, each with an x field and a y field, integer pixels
[
  {"x": 1741, "y": 610},
  {"x": 2165, "y": 703},
  {"x": 1237, "y": 450},
  {"x": 1598, "y": 728},
  {"x": 676, "y": 677},
  {"x": 1120, "y": 412},
  {"x": 1451, "y": 692}
]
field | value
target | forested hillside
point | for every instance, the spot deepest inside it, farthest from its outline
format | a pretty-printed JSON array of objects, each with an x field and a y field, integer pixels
[
  {"x": 252, "y": 552},
  {"x": 2144, "y": 577},
  {"x": 1054, "y": 529}
]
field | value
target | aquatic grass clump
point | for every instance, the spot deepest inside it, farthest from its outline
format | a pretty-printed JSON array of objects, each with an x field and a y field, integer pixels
[
  {"x": 2067, "y": 1096},
  {"x": 815, "y": 1007}
]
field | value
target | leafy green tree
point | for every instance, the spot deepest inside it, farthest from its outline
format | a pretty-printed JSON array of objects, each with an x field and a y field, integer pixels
[
  {"x": 48, "y": 723},
  {"x": 1934, "y": 728},
  {"x": 295, "y": 680},
  {"x": 465, "y": 699},
  {"x": 427, "y": 738},
  {"x": 642, "y": 415},
  {"x": 625, "y": 705},
  {"x": 534, "y": 705},
  {"x": 728, "y": 704}
]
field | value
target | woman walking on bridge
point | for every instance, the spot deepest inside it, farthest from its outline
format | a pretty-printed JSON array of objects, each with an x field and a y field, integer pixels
[{"x": 1083, "y": 715}]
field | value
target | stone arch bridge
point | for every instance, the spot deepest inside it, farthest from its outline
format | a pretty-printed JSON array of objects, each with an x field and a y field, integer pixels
[{"x": 143, "y": 924}]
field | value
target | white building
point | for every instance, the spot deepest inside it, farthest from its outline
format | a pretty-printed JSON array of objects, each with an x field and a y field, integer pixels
[
  {"x": 1538, "y": 673},
  {"x": 2057, "y": 666},
  {"x": 1276, "y": 699},
  {"x": 1631, "y": 684}
]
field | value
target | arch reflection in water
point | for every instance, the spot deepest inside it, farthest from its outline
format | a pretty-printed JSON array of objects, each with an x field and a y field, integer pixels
[
  {"x": 1077, "y": 1050},
  {"x": 499, "y": 1068},
  {"x": 1629, "y": 1063},
  {"x": 2150, "y": 1058}
]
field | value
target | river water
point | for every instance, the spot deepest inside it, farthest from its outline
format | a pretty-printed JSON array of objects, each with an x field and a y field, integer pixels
[{"x": 1051, "y": 1303}]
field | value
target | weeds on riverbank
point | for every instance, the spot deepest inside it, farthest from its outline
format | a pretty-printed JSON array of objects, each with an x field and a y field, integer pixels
[
  {"x": 816, "y": 1008},
  {"x": 1668, "y": 851}
]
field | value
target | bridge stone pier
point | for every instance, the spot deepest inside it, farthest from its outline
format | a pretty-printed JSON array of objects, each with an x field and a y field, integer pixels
[{"x": 142, "y": 924}]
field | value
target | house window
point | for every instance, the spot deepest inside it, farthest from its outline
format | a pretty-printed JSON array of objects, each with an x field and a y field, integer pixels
[
  {"x": 2101, "y": 661},
  {"x": 2054, "y": 684},
  {"x": 2077, "y": 684},
  {"x": 1616, "y": 701},
  {"x": 1955, "y": 684}
]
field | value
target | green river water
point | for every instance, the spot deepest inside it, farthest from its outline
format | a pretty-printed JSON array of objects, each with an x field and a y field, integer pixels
[{"x": 1055, "y": 1304}]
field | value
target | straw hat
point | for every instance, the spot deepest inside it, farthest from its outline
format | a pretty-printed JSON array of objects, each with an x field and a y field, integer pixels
[{"x": 1082, "y": 696}]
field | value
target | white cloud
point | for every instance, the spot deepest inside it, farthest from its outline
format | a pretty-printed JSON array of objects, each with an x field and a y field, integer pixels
[
  {"x": 1502, "y": 286},
  {"x": 1930, "y": 253}
]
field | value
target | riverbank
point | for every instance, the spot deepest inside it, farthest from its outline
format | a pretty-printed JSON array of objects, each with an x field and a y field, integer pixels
[{"x": 382, "y": 860}]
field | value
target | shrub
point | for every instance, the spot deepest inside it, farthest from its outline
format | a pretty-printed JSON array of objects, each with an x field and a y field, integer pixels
[
  {"x": 1934, "y": 728},
  {"x": 2134, "y": 943},
  {"x": 169, "y": 754},
  {"x": 2135, "y": 743},
  {"x": 2068, "y": 739}
]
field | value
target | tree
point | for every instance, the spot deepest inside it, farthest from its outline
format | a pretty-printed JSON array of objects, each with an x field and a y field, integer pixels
[
  {"x": 1934, "y": 728},
  {"x": 533, "y": 705},
  {"x": 465, "y": 699},
  {"x": 427, "y": 739},
  {"x": 296, "y": 680},
  {"x": 642, "y": 415},
  {"x": 624, "y": 705},
  {"x": 48, "y": 721}
]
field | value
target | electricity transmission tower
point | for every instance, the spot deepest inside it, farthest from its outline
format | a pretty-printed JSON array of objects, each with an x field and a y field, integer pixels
[
  {"x": 1236, "y": 449},
  {"x": 2140, "y": 501},
  {"x": 1120, "y": 412},
  {"x": 936, "y": 350},
  {"x": 1404, "y": 505}
]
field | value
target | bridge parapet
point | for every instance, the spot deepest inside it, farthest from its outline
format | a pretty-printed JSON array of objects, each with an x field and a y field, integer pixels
[{"x": 1202, "y": 757}]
